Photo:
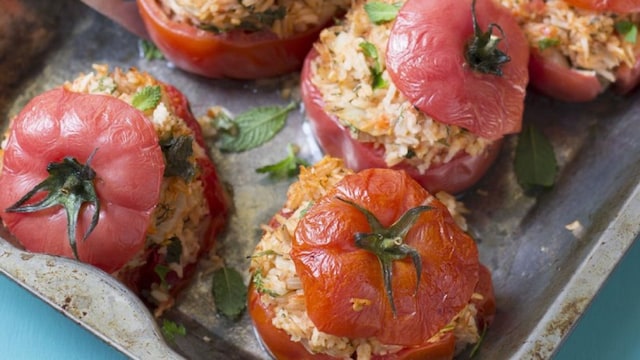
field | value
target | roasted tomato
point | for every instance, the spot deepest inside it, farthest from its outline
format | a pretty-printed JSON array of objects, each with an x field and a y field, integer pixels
[
  {"x": 374, "y": 254},
  {"x": 437, "y": 58},
  {"x": 616, "y": 6},
  {"x": 552, "y": 75},
  {"x": 608, "y": 54},
  {"x": 456, "y": 175},
  {"x": 127, "y": 162},
  {"x": 235, "y": 54},
  {"x": 124, "y": 183}
]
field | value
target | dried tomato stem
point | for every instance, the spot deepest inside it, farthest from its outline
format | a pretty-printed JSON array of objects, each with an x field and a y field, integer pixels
[
  {"x": 387, "y": 244},
  {"x": 70, "y": 185},
  {"x": 482, "y": 52}
]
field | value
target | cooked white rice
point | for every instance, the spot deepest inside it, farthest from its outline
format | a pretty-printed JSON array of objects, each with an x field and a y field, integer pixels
[
  {"x": 291, "y": 17},
  {"x": 382, "y": 116},
  {"x": 182, "y": 209},
  {"x": 281, "y": 287},
  {"x": 587, "y": 39}
]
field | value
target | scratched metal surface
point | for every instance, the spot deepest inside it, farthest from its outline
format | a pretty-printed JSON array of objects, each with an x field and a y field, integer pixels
[{"x": 544, "y": 274}]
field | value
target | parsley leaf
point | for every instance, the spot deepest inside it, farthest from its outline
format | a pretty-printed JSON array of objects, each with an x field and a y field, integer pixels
[
  {"x": 255, "y": 127},
  {"x": 170, "y": 329},
  {"x": 149, "y": 50},
  {"x": 380, "y": 13},
  {"x": 285, "y": 168},
  {"x": 628, "y": 30},
  {"x": 176, "y": 152},
  {"x": 371, "y": 52},
  {"x": 229, "y": 292},
  {"x": 147, "y": 98},
  {"x": 174, "y": 250},
  {"x": 535, "y": 163},
  {"x": 547, "y": 43},
  {"x": 162, "y": 271}
]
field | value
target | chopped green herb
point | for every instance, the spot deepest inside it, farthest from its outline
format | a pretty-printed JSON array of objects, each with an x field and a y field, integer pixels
[
  {"x": 147, "y": 98},
  {"x": 174, "y": 250},
  {"x": 210, "y": 28},
  {"x": 229, "y": 292},
  {"x": 535, "y": 163},
  {"x": 371, "y": 52},
  {"x": 477, "y": 345},
  {"x": 380, "y": 12},
  {"x": 628, "y": 30},
  {"x": 162, "y": 272},
  {"x": 410, "y": 154},
  {"x": 547, "y": 43},
  {"x": 264, "y": 253},
  {"x": 255, "y": 127},
  {"x": 149, "y": 50},
  {"x": 177, "y": 151},
  {"x": 285, "y": 168},
  {"x": 258, "y": 282},
  {"x": 170, "y": 329},
  {"x": 261, "y": 20}
]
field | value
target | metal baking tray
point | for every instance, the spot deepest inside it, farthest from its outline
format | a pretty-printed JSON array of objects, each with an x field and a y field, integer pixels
[{"x": 544, "y": 273}]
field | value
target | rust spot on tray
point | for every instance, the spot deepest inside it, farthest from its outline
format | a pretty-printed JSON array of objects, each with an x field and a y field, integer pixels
[{"x": 558, "y": 328}]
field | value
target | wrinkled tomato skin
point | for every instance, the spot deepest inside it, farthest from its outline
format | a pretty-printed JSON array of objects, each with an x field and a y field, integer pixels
[
  {"x": 556, "y": 79},
  {"x": 455, "y": 176},
  {"x": 333, "y": 270},
  {"x": 279, "y": 344},
  {"x": 616, "y": 6},
  {"x": 234, "y": 54},
  {"x": 49, "y": 129},
  {"x": 426, "y": 61}
]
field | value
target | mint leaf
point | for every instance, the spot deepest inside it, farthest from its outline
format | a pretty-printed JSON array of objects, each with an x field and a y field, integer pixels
[
  {"x": 535, "y": 163},
  {"x": 149, "y": 50},
  {"x": 147, "y": 98},
  {"x": 170, "y": 329},
  {"x": 628, "y": 30},
  {"x": 255, "y": 127},
  {"x": 177, "y": 151},
  {"x": 371, "y": 52},
  {"x": 229, "y": 292},
  {"x": 380, "y": 12},
  {"x": 285, "y": 168}
]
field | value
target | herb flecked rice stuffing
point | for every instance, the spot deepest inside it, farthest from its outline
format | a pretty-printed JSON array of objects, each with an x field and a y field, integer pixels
[
  {"x": 380, "y": 114},
  {"x": 275, "y": 277},
  {"x": 282, "y": 17},
  {"x": 182, "y": 212}
]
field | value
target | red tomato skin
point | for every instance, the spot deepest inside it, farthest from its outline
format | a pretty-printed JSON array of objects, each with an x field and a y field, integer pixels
[
  {"x": 455, "y": 176},
  {"x": 553, "y": 77},
  {"x": 47, "y": 130},
  {"x": 616, "y": 6},
  {"x": 234, "y": 54},
  {"x": 333, "y": 270},
  {"x": 426, "y": 61}
]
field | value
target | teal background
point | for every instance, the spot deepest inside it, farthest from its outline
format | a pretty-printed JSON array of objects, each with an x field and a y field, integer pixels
[{"x": 610, "y": 328}]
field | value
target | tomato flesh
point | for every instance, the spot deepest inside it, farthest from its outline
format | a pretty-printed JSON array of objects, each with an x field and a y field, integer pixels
[
  {"x": 616, "y": 6},
  {"x": 454, "y": 176},
  {"x": 333, "y": 270},
  {"x": 426, "y": 61},
  {"x": 235, "y": 54},
  {"x": 128, "y": 162}
]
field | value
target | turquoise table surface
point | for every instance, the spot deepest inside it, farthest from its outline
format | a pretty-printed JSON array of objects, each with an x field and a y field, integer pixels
[{"x": 610, "y": 328}]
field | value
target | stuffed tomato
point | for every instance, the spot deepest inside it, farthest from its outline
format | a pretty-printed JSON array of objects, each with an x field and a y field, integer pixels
[
  {"x": 237, "y": 39},
  {"x": 111, "y": 169},
  {"x": 580, "y": 48},
  {"x": 367, "y": 265},
  {"x": 377, "y": 100}
]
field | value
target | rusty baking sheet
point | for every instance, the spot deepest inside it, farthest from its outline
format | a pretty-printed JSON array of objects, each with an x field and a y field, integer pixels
[{"x": 545, "y": 272}]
